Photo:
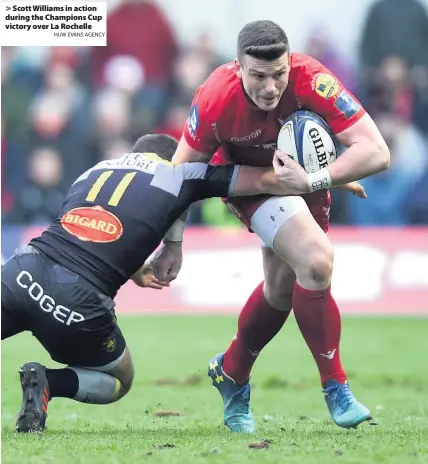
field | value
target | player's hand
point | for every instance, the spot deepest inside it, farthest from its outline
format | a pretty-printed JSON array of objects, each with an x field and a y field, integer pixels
[
  {"x": 145, "y": 277},
  {"x": 290, "y": 173},
  {"x": 356, "y": 189},
  {"x": 167, "y": 261}
]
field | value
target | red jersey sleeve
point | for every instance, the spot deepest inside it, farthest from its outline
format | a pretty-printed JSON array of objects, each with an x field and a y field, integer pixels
[
  {"x": 321, "y": 92},
  {"x": 200, "y": 133}
]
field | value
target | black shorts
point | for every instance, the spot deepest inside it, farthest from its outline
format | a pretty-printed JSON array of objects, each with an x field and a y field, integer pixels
[{"x": 70, "y": 317}]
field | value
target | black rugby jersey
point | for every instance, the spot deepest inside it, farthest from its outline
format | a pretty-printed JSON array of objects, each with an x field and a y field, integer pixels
[{"x": 117, "y": 213}]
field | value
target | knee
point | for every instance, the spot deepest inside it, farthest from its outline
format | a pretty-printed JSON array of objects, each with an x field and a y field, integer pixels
[
  {"x": 279, "y": 297},
  {"x": 316, "y": 270},
  {"x": 125, "y": 384},
  {"x": 125, "y": 375}
]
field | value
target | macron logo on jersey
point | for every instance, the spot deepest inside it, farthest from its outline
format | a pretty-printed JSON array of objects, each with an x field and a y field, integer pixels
[
  {"x": 247, "y": 138},
  {"x": 193, "y": 121}
]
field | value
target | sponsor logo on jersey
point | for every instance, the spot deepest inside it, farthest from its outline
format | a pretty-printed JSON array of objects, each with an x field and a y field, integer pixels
[
  {"x": 215, "y": 130},
  {"x": 46, "y": 303},
  {"x": 347, "y": 104},
  {"x": 110, "y": 344},
  {"x": 193, "y": 121},
  {"x": 92, "y": 224},
  {"x": 246, "y": 138},
  {"x": 325, "y": 85},
  {"x": 267, "y": 146}
]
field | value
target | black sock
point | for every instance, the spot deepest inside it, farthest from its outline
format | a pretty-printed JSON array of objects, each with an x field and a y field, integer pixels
[{"x": 63, "y": 383}]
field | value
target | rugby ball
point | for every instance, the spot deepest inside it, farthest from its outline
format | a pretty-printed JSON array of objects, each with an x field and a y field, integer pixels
[{"x": 307, "y": 139}]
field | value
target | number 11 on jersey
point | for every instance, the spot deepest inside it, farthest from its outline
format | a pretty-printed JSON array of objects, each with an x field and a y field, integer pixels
[{"x": 118, "y": 191}]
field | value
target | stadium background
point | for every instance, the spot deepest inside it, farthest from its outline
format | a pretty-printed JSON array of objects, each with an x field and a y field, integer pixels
[{"x": 64, "y": 109}]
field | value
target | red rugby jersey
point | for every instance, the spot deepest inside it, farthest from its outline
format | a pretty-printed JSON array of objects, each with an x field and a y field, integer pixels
[{"x": 222, "y": 119}]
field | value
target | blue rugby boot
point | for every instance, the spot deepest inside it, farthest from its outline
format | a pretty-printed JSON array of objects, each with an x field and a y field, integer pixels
[
  {"x": 344, "y": 408},
  {"x": 236, "y": 398}
]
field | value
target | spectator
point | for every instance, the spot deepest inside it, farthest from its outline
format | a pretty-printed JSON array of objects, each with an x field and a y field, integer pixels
[
  {"x": 389, "y": 191},
  {"x": 41, "y": 197},
  {"x": 111, "y": 111},
  {"x": 205, "y": 46},
  {"x": 395, "y": 28},
  {"x": 390, "y": 90},
  {"x": 6, "y": 196},
  {"x": 16, "y": 96},
  {"x": 56, "y": 123},
  {"x": 321, "y": 47},
  {"x": 419, "y": 80},
  {"x": 190, "y": 71},
  {"x": 147, "y": 103},
  {"x": 175, "y": 120},
  {"x": 417, "y": 204},
  {"x": 138, "y": 28},
  {"x": 116, "y": 149}
]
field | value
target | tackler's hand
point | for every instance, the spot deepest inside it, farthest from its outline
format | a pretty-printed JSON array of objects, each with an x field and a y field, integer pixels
[
  {"x": 356, "y": 189},
  {"x": 145, "y": 277},
  {"x": 167, "y": 261},
  {"x": 290, "y": 173}
]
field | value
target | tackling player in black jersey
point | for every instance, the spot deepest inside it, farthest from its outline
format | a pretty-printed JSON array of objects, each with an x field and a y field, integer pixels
[{"x": 61, "y": 285}]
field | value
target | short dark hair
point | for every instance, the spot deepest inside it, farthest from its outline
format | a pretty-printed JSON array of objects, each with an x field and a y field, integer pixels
[
  {"x": 263, "y": 39},
  {"x": 163, "y": 145}
]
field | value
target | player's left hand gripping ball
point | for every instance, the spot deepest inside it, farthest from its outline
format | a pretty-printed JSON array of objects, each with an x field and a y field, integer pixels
[{"x": 291, "y": 173}]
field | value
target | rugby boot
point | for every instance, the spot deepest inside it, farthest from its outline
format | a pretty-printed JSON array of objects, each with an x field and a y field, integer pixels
[
  {"x": 236, "y": 398},
  {"x": 35, "y": 398},
  {"x": 344, "y": 408}
]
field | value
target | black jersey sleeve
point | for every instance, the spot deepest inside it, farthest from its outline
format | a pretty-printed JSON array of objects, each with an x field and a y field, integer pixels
[{"x": 206, "y": 181}]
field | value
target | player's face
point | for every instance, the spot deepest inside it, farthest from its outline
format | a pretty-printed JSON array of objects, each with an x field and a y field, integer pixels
[{"x": 264, "y": 81}]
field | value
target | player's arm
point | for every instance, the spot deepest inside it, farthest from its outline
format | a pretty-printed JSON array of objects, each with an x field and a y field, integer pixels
[
  {"x": 201, "y": 180},
  {"x": 198, "y": 141},
  {"x": 255, "y": 181},
  {"x": 185, "y": 153},
  {"x": 367, "y": 153}
]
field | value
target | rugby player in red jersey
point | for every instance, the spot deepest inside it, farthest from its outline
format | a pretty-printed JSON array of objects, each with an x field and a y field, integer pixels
[{"x": 235, "y": 118}]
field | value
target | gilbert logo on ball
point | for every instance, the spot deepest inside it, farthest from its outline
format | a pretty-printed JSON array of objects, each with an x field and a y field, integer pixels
[{"x": 307, "y": 139}]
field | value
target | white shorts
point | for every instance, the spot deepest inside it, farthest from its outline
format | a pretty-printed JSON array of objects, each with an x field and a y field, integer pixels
[{"x": 272, "y": 214}]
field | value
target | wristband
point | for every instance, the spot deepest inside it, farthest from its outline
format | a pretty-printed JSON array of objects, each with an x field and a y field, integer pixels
[
  {"x": 175, "y": 232},
  {"x": 319, "y": 180}
]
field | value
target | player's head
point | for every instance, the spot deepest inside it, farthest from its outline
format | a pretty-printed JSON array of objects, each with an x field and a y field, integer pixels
[
  {"x": 163, "y": 145},
  {"x": 263, "y": 62}
]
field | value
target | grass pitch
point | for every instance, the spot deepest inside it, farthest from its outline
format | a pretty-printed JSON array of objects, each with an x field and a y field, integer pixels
[{"x": 386, "y": 360}]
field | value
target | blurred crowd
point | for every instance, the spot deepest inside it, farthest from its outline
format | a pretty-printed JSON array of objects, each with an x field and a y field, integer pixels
[{"x": 65, "y": 108}]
